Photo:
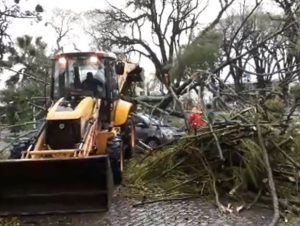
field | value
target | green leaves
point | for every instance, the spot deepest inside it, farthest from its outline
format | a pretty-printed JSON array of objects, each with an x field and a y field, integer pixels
[
  {"x": 30, "y": 52},
  {"x": 201, "y": 54},
  {"x": 295, "y": 91},
  {"x": 24, "y": 41},
  {"x": 28, "y": 81},
  {"x": 39, "y": 8},
  {"x": 12, "y": 11}
]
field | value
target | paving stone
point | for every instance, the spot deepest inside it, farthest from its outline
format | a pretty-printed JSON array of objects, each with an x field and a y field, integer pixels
[{"x": 178, "y": 213}]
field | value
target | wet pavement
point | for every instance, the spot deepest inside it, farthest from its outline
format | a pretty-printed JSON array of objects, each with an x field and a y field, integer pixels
[{"x": 169, "y": 213}]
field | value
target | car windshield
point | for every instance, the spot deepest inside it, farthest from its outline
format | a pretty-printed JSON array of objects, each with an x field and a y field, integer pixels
[{"x": 152, "y": 120}]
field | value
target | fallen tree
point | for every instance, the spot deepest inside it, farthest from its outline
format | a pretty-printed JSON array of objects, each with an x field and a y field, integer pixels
[{"x": 252, "y": 156}]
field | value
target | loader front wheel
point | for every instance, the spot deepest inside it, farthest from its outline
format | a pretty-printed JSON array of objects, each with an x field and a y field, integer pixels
[
  {"x": 117, "y": 173},
  {"x": 117, "y": 159}
]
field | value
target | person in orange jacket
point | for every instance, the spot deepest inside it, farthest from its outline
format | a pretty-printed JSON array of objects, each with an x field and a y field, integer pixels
[{"x": 196, "y": 120}]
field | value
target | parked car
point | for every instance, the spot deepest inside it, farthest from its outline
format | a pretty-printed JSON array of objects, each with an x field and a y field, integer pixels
[{"x": 153, "y": 132}]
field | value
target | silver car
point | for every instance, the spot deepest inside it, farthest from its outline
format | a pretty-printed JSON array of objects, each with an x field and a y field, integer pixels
[{"x": 153, "y": 132}]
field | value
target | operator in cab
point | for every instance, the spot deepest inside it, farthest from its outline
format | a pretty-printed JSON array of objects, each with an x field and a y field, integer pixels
[{"x": 92, "y": 84}]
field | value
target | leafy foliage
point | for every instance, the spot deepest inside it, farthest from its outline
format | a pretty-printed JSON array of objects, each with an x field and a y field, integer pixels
[
  {"x": 193, "y": 167},
  {"x": 203, "y": 53},
  {"x": 295, "y": 91},
  {"x": 30, "y": 81},
  {"x": 9, "y": 11}
]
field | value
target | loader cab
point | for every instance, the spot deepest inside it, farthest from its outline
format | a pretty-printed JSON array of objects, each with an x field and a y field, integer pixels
[{"x": 86, "y": 74}]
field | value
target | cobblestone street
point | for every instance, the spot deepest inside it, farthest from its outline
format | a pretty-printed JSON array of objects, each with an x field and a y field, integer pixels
[{"x": 171, "y": 213}]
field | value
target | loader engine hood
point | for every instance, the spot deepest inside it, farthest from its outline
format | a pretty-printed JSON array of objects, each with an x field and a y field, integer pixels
[
  {"x": 70, "y": 110},
  {"x": 66, "y": 122}
]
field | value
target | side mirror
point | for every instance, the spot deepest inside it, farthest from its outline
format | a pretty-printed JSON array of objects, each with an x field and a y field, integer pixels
[{"x": 119, "y": 67}]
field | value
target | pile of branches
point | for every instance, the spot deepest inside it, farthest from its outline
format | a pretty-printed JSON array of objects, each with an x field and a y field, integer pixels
[{"x": 253, "y": 155}]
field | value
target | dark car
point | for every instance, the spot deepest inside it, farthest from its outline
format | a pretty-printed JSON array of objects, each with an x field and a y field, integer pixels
[{"x": 153, "y": 132}]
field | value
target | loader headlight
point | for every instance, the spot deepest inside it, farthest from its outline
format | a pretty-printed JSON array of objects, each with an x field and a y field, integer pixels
[
  {"x": 93, "y": 59},
  {"x": 61, "y": 126},
  {"x": 62, "y": 60}
]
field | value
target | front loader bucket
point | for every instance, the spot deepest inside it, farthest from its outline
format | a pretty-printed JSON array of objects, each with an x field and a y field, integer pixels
[{"x": 50, "y": 186}]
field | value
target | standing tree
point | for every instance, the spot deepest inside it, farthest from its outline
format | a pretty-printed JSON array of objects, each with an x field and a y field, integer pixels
[
  {"x": 291, "y": 51},
  {"x": 168, "y": 33},
  {"x": 248, "y": 32},
  {"x": 30, "y": 81},
  {"x": 236, "y": 30},
  {"x": 10, "y": 10},
  {"x": 157, "y": 30},
  {"x": 62, "y": 22}
]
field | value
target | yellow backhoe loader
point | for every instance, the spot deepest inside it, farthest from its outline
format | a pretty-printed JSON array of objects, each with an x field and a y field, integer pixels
[{"x": 77, "y": 155}]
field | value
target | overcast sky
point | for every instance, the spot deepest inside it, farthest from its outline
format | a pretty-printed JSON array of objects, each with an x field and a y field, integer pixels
[{"x": 22, "y": 27}]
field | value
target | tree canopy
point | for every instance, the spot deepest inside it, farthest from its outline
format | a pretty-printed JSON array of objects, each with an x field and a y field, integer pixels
[{"x": 9, "y": 11}]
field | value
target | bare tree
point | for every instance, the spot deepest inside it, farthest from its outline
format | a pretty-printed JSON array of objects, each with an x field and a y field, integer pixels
[
  {"x": 291, "y": 52},
  {"x": 241, "y": 33},
  {"x": 62, "y": 22},
  {"x": 172, "y": 23},
  {"x": 169, "y": 22},
  {"x": 249, "y": 46},
  {"x": 248, "y": 34},
  {"x": 259, "y": 38}
]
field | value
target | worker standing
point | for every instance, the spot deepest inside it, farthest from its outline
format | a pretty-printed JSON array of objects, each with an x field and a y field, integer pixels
[{"x": 196, "y": 120}]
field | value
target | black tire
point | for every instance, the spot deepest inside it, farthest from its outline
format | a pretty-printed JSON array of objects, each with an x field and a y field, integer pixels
[
  {"x": 114, "y": 148},
  {"x": 128, "y": 152},
  {"x": 117, "y": 173},
  {"x": 18, "y": 148}
]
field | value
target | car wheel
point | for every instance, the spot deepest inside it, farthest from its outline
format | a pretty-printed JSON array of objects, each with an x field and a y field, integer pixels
[{"x": 153, "y": 142}]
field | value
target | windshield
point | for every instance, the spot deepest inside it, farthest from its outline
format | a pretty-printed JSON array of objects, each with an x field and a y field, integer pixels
[
  {"x": 85, "y": 73},
  {"x": 151, "y": 120}
]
